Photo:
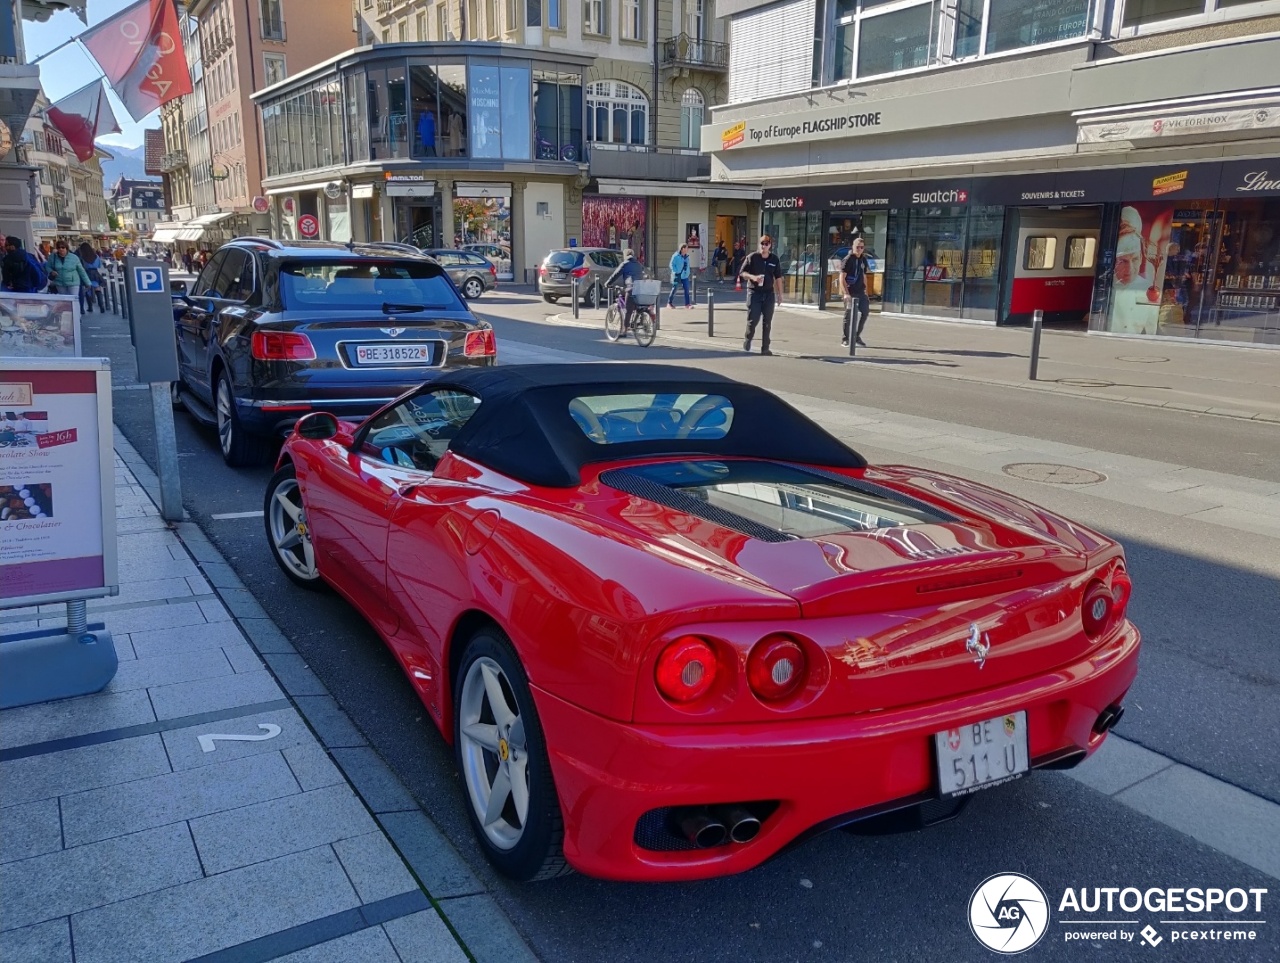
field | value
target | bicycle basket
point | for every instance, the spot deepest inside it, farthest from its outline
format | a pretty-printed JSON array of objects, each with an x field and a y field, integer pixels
[{"x": 646, "y": 292}]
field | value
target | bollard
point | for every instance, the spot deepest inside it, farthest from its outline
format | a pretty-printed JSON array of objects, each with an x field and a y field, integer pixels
[
  {"x": 711, "y": 314},
  {"x": 851, "y": 314},
  {"x": 693, "y": 288},
  {"x": 111, "y": 293},
  {"x": 124, "y": 300},
  {"x": 1037, "y": 322},
  {"x": 574, "y": 288},
  {"x": 657, "y": 315},
  {"x": 595, "y": 300}
]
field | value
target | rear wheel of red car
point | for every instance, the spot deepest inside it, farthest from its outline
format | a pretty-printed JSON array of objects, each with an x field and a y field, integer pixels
[
  {"x": 288, "y": 533},
  {"x": 502, "y": 756}
]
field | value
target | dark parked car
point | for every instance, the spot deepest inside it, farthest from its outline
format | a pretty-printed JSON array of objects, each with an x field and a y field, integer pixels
[
  {"x": 272, "y": 330},
  {"x": 472, "y": 273},
  {"x": 587, "y": 264}
]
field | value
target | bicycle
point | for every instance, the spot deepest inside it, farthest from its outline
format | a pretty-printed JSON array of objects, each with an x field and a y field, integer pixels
[{"x": 640, "y": 318}]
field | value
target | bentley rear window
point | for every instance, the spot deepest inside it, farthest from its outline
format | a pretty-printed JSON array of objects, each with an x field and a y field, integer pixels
[
  {"x": 610, "y": 419},
  {"x": 366, "y": 285},
  {"x": 789, "y": 500}
]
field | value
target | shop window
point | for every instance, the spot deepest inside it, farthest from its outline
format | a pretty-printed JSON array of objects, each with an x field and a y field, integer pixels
[
  {"x": 898, "y": 40},
  {"x": 691, "y": 105},
  {"x": 557, "y": 111},
  {"x": 451, "y": 125},
  {"x": 1016, "y": 23},
  {"x": 617, "y": 113},
  {"x": 1040, "y": 254},
  {"x": 1081, "y": 253},
  {"x": 1139, "y": 12}
]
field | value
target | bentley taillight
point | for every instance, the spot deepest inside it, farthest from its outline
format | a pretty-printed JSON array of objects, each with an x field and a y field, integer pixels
[
  {"x": 776, "y": 668},
  {"x": 686, "y": 669},
  {"x": 480, "y": 344},
  {"x": 281, "y": 346}
]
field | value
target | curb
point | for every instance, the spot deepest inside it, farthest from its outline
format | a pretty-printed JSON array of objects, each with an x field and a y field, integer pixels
[
  {"x": 483, "y": 930},
  {"x": 567, "y": 319}
]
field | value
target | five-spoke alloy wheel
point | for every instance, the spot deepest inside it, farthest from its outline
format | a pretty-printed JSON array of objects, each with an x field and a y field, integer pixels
[
  {"x": 287, "y": 530},
  {"x": 503, "y": 760}
]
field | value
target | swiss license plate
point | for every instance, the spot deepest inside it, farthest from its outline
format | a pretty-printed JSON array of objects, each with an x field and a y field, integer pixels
[
  {"x": 386, "y": 353},
  {"x": 982, "y": 755},
  {"x": 559, "y": 275}
]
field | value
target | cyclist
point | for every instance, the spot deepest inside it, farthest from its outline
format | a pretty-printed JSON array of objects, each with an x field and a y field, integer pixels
[{"x": 630, "y": 270}]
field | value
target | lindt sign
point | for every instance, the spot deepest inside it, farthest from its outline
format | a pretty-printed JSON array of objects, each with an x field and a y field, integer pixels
[{"x": 1259, "y": 181}]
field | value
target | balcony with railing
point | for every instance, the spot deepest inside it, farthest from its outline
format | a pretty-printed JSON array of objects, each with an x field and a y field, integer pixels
[
  {"x": 689, "y": 52},
  {"x": 272, "y": 28},
  {"x": 173, "y": 160}
]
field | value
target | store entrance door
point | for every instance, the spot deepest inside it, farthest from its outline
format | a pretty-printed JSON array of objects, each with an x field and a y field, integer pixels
[
  {"x": 418, "y": 221},
  {"x": 839, "y": 230},
  {"x": 1051, "y": 265}
]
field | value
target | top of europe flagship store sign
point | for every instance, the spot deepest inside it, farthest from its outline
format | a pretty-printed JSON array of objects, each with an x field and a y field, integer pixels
[{"x": 813, "y": 125}]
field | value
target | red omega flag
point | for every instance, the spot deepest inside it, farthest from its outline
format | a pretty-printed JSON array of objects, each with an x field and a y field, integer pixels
[
  {"x": 82, "y": 117},
  {"x": 140, "y": 51}
]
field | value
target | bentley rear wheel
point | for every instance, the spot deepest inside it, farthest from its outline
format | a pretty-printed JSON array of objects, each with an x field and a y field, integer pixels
[{"x": 501, "y": 754}]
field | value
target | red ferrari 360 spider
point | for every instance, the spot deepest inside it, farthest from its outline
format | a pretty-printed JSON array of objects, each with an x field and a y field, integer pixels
[{"x": 671, "y": 625}]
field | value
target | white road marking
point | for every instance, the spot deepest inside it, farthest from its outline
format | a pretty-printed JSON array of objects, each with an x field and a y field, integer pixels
[
  {"x": 226, "y": 515},
  {"x": 270, "y": 730}
]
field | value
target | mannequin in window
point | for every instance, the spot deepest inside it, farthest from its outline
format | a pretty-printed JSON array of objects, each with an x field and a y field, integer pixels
[{"x": 427, "y": 132}]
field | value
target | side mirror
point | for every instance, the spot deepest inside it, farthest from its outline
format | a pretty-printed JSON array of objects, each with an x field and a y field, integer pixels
[
  {"x": 318, "y": 426},
  {"x": 177, "y": 288}
]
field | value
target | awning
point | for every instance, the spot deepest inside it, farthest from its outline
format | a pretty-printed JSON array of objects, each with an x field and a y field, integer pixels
[
  {"x": 627, "y": 188},
  {"x": 169, "y": 232},
  {"x": 1220, "y": 117},
  {"x": 190, "y": 234}
]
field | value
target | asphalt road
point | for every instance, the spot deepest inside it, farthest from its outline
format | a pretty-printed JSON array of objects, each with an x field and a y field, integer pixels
[{"x": 1207, "y": 690}]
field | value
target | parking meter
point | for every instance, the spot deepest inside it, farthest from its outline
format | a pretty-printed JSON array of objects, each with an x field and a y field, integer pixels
[{"x": 146, "y": 285}]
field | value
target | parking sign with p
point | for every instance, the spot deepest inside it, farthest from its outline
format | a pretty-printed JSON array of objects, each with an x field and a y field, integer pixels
[{"x": 148, "y": 280}]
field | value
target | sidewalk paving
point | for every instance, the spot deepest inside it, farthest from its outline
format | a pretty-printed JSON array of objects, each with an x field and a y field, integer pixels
[
  {"x": 127, "y": 833},
  {"x": 1197, "y": 376}
]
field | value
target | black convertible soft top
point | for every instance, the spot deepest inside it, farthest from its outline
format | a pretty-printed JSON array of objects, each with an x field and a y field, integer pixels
[{"x": 523, "y": 427}]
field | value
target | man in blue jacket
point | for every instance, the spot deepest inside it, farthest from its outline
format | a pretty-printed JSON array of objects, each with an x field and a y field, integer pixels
[{"x": 22, "y": 271}]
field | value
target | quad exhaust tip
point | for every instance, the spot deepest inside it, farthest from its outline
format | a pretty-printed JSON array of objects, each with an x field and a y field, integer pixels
[{"x": 743, "y": 825}]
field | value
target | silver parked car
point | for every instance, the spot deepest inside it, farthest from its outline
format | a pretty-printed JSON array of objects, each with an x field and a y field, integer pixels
[
  {"x": 587, "y": 264},
  {"x": 473, "y": 274}
]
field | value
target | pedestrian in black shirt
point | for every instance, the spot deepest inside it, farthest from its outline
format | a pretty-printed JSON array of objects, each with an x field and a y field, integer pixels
[
  {"x": 854, "y": 269},
  {"x": 764, "y": 275}
]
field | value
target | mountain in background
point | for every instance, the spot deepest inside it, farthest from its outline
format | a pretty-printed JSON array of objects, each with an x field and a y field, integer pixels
[{"x": 128, "y": 162}]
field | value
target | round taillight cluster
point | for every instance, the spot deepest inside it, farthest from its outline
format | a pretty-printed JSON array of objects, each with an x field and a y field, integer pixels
[
  {"x": 1097, "y": 608},
  {"x": 1121, "y": 591},
  {"x": 686, "y": 669},
  {"x": 776, "y": 668}
]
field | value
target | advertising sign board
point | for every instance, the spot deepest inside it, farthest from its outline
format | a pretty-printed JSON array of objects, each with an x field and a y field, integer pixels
[
  {"x": 39, "y": 326},
  {"x": 57, "y": 495}
]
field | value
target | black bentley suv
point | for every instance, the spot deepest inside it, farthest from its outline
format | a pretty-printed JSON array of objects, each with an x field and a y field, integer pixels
[{"x": 274, "y": 329}]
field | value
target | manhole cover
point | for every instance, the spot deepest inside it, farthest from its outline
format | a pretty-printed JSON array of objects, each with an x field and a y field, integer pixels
[
  {"x": 1136, "y": 360},
  {"x": 1051, "y": 474}
]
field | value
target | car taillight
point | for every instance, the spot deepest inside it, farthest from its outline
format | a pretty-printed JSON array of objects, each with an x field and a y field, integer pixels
[
  {"x": 1121, "y": 591},
  {"x": 493, "y": 270},
  {"x": 480, "y": 344},
  {"x": 1097, "y": 608},
  {"x": 282, "y": 346},
  {"x": 686, "y": 669},
  {"x": 542, "y": 269},
  {"x": 776, "y": 668},
  {"x": 581, "y": 272}
]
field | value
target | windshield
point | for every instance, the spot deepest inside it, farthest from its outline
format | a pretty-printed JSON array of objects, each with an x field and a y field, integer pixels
[{"x": 367, "y": 285}]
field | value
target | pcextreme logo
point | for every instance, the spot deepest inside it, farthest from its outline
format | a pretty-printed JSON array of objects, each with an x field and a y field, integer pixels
[{"x": 1009, "y": 913}]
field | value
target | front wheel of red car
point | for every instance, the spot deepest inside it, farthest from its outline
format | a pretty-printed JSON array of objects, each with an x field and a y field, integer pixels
[
  {"x": 502, "y": 756},
  {"x": 288, "y": 531}
]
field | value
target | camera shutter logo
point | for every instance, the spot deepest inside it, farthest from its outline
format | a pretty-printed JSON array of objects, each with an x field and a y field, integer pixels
[{"x": 1008, "y": 913}]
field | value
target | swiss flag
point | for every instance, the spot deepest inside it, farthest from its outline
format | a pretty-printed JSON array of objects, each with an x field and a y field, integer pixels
[
  {"x": 140, "y": 51},
  {"x": 82, "y": 117}
]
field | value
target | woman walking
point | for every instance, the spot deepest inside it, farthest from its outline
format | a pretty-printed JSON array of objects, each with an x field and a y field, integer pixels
[
  {"x": 66, "y": 273},
  {"x": 680, "y": 275},
  {"x": 92, "y": 267}
]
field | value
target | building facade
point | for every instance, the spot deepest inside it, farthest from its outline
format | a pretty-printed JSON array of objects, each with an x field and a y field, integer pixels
[
  {"x": 45, "y": 149},
  {"x": 235, "y": 47},
  {"x": 1116, "y": 165},
  {"x": 620, "y": 127},
  {"x": 139, "y": 206},
  {"x": 19, "y": 88},
  {"x": 90, "y": 202}
]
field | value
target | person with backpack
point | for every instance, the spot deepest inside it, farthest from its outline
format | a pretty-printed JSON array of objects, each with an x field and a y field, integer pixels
[
  {"x": 680, "y": 275},
  {"x": 92, "y": 267},
  {"x": 22, "y": 271},
  {"x": 66, "y": 273}
]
